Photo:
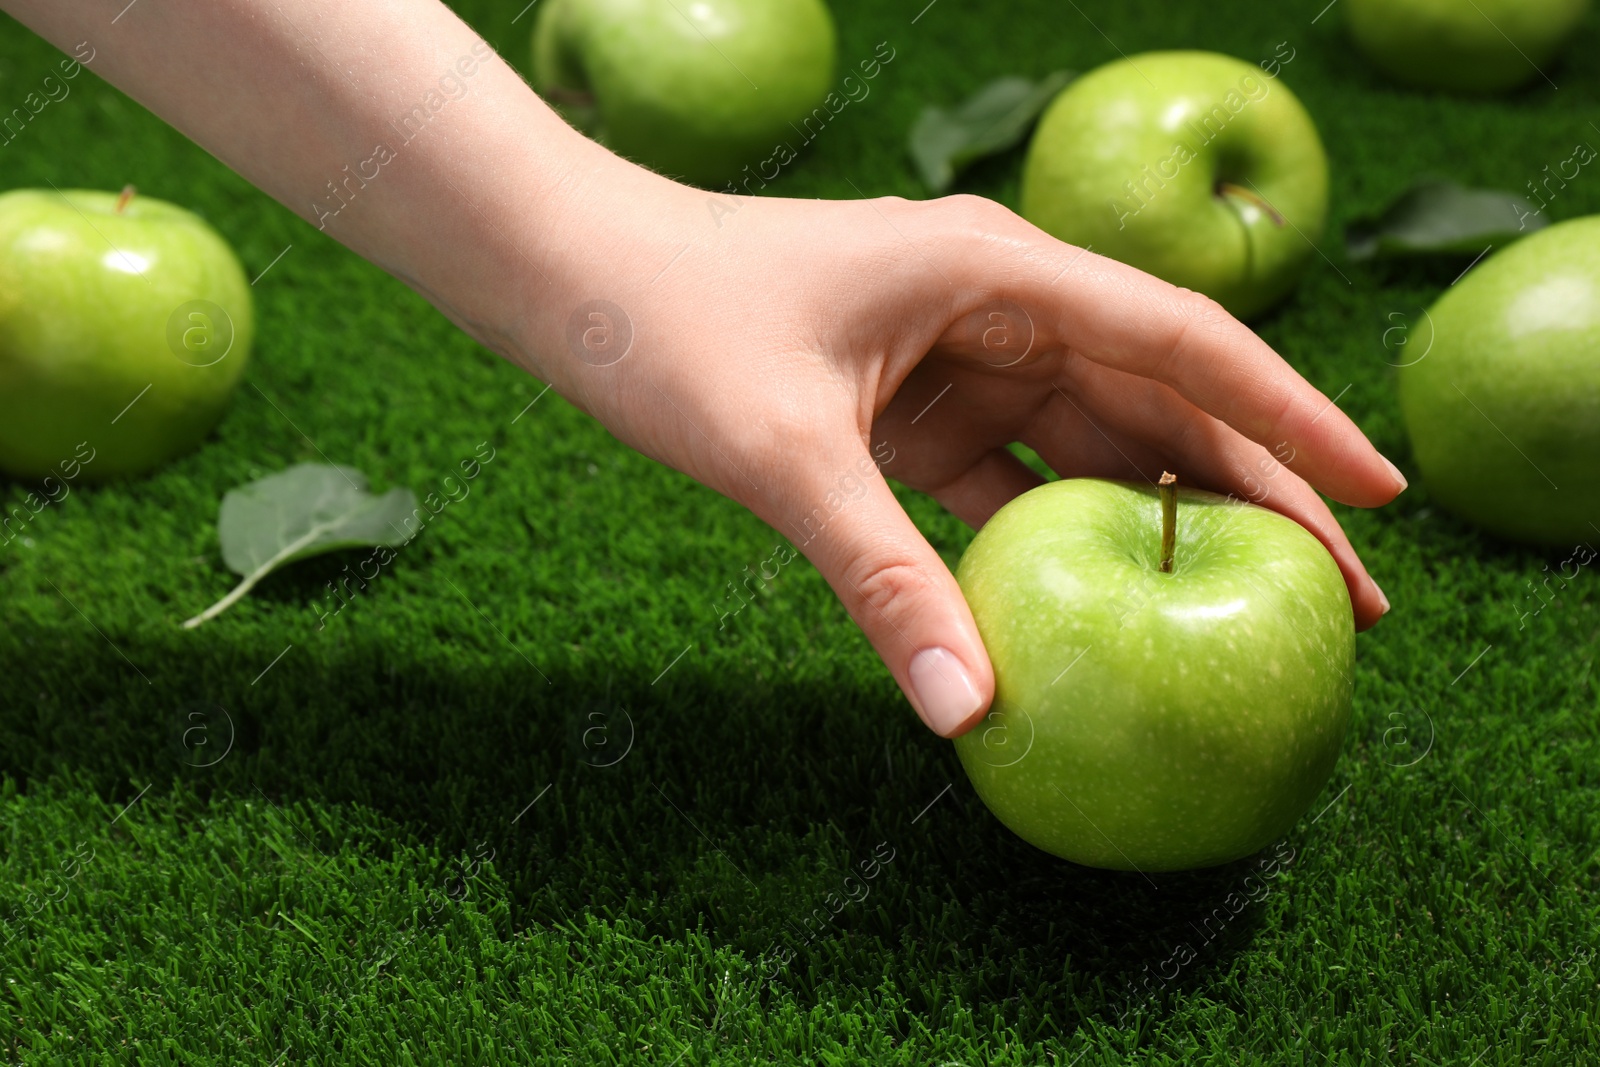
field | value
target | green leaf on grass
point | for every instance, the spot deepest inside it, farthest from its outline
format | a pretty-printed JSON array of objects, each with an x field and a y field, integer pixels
[
  {"x": 1442, "y": 218},
  {"x": 945, "y": 142},
  {"x": 304, "y": 511}
]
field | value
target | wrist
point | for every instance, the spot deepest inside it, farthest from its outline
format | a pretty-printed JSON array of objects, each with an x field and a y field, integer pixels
[
  {"x": 497, "y": 253},
  {"x": 612, "y": 228}
]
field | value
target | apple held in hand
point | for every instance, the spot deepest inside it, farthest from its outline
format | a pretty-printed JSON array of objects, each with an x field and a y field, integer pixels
[
  {"x": 1152, "y": 720},
  {"x": 1196, "y": 167},
  {"x": 125, "y": 323},
  {"x": 1468, "y": 46},
  {"x": 1503, "y": 403},
  {"x": 696, "y": 89}
]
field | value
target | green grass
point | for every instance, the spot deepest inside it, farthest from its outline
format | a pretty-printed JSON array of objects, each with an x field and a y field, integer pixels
[{"x": 413, "y": 853}]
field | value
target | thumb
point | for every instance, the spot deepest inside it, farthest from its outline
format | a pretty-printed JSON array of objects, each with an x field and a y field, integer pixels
[{"x": 901, "y": 594}]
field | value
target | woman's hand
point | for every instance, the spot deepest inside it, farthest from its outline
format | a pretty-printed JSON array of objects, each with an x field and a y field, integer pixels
[
  {"x": 773, "y": 349},
  {"x": 782, "y": 352}
]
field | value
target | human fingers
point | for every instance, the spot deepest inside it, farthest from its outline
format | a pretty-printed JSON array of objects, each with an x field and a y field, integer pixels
[
  {"x": 904, "y": 598},
  {"x": 997, "y": 478},
  {"x": 1207, "y": 453},
  {"x": 1128, "y": 320}
]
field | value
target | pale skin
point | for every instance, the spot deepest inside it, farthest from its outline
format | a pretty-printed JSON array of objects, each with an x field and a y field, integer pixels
[{"x": 771, "y": 357}]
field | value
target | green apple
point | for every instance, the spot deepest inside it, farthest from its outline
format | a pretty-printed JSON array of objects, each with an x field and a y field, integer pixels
[
  {"x": 696, "y": 89},
  {"x": 1196, "y": 167},
  {"x": 1467, "y": 46},
  {"x": 1503, "y": 404},
  {"x": 125, "y": 322},
  {"x": 1146, "y": 719}
]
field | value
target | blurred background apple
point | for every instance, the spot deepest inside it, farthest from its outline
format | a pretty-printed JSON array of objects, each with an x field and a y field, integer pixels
[
  {"x": 1197, "y": 167},
  {"x": 1503, "y": 402},
  {"x": 696, "y": 89},
  {"x": 1468, "y": 46}
]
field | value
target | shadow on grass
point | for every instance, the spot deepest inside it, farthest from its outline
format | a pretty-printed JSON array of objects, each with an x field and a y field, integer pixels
[{"x": 816, "y": 827}]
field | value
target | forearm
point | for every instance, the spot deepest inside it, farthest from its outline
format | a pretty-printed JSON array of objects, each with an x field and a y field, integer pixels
[{"x": 389, "y": 124}]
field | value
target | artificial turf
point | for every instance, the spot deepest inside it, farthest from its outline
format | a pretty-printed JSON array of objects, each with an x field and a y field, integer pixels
[{"x": 523, "y": 800}]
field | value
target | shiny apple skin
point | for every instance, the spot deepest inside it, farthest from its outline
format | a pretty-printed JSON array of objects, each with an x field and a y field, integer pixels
[
  {"x": 1134, "y": 134},
  {"x": 91, "y": 359},
  {"x": 696, "y": 89},
  {"x": 1155, "y": 721},
  {"x": 1502, "y": 403}
]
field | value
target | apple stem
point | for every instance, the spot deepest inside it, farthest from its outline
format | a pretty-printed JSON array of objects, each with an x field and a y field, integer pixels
[
  {"x": 1169, "y": 519},
  {"x": 1239, "y": 192},
  {"x": 122, "y": 201}
]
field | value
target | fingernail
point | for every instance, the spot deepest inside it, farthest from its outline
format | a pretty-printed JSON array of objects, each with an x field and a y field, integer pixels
[
  {"x": 1401, "y": 478},
  {"x": 945, "y": 694},
  {"x": 1382, "y": 596}
]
